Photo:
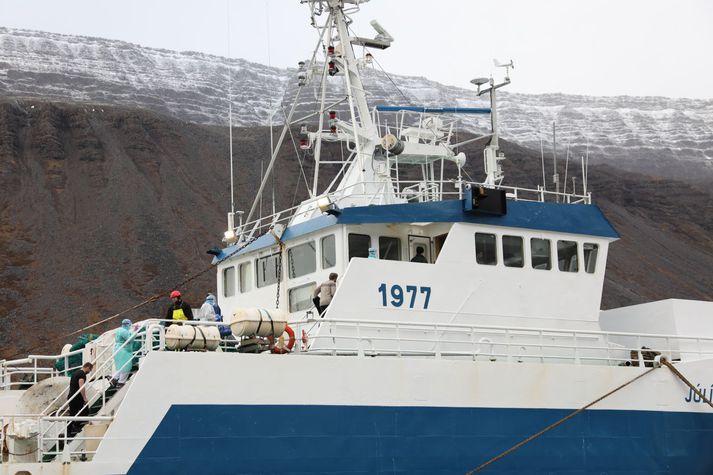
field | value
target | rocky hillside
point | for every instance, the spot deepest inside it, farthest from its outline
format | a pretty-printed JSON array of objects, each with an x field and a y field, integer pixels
[
  {"x": 668, "y": 137},
  {"x": 103, "y": 206}
]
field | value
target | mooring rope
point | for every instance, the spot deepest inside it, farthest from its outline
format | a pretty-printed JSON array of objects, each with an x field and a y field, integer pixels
[
  {"x": 559, "y": 422},
  {"x": 662, "y": 360}
]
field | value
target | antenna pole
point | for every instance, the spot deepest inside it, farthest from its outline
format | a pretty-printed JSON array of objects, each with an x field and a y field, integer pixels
[
  {"x": 232, "y": 179},
  {"x": 494, "y": 119},
  {"x": 285, "y": 128},
  {"x": 585, "y": 169},
  {"x": 555, "y": 176},
  {"x": 262, "y": 179},
  {"x": 542, "y": 159},
  {"x": 272, "y": 113},
  {"x": 230, "y": 116},
  {"x": 566, "y": 167}
]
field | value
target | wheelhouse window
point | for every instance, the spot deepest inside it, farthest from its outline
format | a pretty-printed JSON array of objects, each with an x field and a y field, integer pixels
[
  {"x": 229, "y": 281},
  {"x": 302, "y": 259},
  {"x": 541, "y": 254},
  {"x": 590, "y": 256},
  {"x": 245, "y": 277},
  {"x": 485, "y": 250},
  {"x": 267, "y": 270},
  {"x": 389, "y": 248},
  {"x": 567, "y": 256},
  {"x": 359, "y": 245},
  {"x": 301, "y": 297},
  {"x": 512, "y": 251},
  {"x": 329, "y": 252}
]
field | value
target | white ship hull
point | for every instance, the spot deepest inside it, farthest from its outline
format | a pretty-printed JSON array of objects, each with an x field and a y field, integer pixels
[{"x": 228, "y": 413}]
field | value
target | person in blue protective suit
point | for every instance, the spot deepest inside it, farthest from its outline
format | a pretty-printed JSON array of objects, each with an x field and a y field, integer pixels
[{"x": 123, "y": 358}]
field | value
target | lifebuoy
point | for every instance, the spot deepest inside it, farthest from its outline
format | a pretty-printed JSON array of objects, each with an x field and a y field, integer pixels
[{"x": 290, "y": 342}]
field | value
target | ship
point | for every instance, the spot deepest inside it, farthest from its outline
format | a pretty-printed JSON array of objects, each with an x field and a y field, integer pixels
[{"x": 464, "y": 333}]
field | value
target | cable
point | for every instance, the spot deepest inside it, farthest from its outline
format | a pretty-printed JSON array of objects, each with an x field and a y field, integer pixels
[
  {"x": 561, "y": 421},
  {"x": 151, "y": 299},
  {"x": 302, "y": 170},
  {"x": 385, "y": 73},
  {"x": 392, "y": 82}
]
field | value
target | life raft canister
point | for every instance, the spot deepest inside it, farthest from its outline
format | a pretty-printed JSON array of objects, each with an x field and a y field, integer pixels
[{"x": 281, "y": 349}]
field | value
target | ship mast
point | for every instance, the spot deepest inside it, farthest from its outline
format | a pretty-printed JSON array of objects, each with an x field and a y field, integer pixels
[
  {"x": 355, "y": 94},
  {"x": 360, "y": 182},
  {"x": 363, "y": 181}
]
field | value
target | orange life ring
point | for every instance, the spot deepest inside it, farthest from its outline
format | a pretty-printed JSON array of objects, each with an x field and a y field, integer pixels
[{"x": 290, "y": 342}]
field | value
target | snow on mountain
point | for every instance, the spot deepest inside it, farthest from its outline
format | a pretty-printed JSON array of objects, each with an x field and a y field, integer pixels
[{"x": 194, "y": 87}]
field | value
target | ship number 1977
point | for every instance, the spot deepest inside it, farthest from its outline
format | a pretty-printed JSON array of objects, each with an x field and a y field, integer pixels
[{"x": 414, "y": 296}]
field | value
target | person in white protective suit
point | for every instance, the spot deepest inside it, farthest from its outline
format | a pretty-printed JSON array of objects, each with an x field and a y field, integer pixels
[{"x": 210, "y": 311}]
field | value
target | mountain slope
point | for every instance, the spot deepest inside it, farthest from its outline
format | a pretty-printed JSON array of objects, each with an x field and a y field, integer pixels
[
  {"x": 669, "y": 137},
  {"x": 104, "y": 206}
]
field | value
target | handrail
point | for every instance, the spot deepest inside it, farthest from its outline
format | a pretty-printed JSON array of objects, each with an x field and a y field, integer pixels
[
  {"x": 94, "y": 376},
  {"x": 430, "y": 325},
  {"x": 397, "y": 338},
  {"x": 148, "y": 324},
  {"x": 8, "y": 368},
  {"x": 492, "y": 355},
  {"x": 100, "y": 395},
  {"x": 58, "y": 417},
  {"x": 538, "y": 195},
  {"x": 59, "y": 441}
]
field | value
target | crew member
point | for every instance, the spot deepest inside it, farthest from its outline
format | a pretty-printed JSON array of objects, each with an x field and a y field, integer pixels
[
  {"x": 419, "y": 257},
  {"x": 210, "y": 311},
  {"x": 123, "y": 357},
  {"x": 323, "y": 294},
  {"x": 178, "y": 310},
  {"x": 77, "y": 398}
]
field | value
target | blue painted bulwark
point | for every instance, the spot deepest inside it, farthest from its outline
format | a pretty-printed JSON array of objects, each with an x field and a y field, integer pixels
[
  {"x": 567, "y": 218},
  {"x": 560, "y": 217},
  {"x": 436, "y": 110},
  {"x": 223, "y": 439}
]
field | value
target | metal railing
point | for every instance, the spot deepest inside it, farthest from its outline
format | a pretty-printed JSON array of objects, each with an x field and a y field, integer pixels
[
  {"x": 541, "y": 195},
  {"x": 375, "y": 338},
  {"x": 51, "y": 438},
  {"x": 34, "y": 369},
  {"x": 53, "y": 423},
  {"x": 411, "y": 191},
  {"x": 494, "y": 343}
]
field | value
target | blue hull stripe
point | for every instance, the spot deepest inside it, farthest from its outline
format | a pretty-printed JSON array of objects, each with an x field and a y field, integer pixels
[{"x": 229, "y": 439}]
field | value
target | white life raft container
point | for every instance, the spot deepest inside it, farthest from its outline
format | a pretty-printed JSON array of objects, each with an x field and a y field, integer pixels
[
  {"x": 192, "y": 337},
  {"x": 258, "y": 322}
]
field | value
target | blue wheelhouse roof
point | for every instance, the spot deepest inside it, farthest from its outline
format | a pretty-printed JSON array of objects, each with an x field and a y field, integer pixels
[{"x": 560, "y": 217}]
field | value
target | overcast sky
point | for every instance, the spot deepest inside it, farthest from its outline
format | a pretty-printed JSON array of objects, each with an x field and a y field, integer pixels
[{"x": 597, "y": 47}]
